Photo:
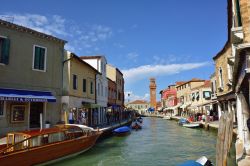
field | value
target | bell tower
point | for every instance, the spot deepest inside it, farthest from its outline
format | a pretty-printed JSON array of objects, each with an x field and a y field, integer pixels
[{"x": 152, "y": 87}]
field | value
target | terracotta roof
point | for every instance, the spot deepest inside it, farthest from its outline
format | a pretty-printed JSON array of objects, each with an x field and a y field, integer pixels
[
  {"x": 139, "y": 102},
  {"x": 207, "y": 84},
  {"x": 180, "y": 82},
  {"x": 30, "y": 31},
  {"x": 192, "y": 80}
]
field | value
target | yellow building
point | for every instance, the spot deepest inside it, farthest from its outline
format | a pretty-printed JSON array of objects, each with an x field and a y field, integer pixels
[
  {"x": 201, "y": 98},
  {"x": 79, "y": 89},
  {"x": 183, "y": 94}
]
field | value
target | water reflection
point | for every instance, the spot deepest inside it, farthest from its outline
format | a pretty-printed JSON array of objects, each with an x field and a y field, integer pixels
[{"x": 160, "y": 142}]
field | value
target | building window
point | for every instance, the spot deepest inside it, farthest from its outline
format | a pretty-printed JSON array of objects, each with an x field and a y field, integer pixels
[
  {"x": 207, "y": 95},
  {"x": 239, "y": 23},
  {"x": 17, "y": 113},
  {"x": 4, "y": 50},
  {"x": 91, "y": 87},
  {"x": 39, "y": 58},
  {"x": 197, "y": 96},
  {"x": 1, "y": 108},
  {"x": 220, "y": 78},
  {"x": 84, "y": 85},
  {"x": 74, "y": 81}
]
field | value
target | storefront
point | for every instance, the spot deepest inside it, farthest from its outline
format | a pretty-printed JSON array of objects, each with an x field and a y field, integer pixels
[{"x": 22, "y": 109}]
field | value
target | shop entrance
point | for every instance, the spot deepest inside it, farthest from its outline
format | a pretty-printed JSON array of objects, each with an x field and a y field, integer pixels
[{"x": 35, "y": 110}]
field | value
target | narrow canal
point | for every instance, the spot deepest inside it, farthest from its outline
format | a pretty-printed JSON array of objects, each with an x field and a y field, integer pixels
[{"x": 159, "y": 143}]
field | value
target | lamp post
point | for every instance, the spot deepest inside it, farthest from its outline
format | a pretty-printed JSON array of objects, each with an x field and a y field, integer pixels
[{"x": 128, "y": 97}]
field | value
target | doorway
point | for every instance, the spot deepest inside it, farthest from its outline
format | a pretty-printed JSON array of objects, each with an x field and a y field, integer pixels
[{"x": 35, "y": 109}]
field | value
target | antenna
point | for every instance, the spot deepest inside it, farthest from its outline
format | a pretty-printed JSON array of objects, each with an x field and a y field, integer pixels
[{"x": 7, "y": 18}]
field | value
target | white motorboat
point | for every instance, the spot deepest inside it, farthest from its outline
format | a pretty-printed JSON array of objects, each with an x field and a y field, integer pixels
[{"x": 191, "y": 125}]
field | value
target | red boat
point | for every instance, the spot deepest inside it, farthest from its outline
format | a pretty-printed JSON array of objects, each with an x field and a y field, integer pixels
[{"x": 46, "y": 145}]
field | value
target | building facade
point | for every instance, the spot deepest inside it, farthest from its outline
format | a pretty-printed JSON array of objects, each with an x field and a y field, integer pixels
[
  {"x": 99, "y": 63},
  {"x": 79, "y": 93},
  {"x": 31, "y": 78},
  {"x": 116, "y": 76},
  {"x": 240, "y": 39},
  {"x": 201, "y": 98},
  {"x": 183, "y": 94},
  {"x": 139, "y": 105}
]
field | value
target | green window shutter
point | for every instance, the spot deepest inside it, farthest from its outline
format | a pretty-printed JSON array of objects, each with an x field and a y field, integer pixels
[
  {"x": 37, "y": 58},
  {"x": 238, "y": 13},
  {"x": 42, "y": 58},
  {"x": 5, "y": 51}
]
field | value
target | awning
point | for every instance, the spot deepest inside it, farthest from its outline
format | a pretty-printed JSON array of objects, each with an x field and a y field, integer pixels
[
  {"x": 26, "y": 95},
  {"x": 185, "y": 105}
]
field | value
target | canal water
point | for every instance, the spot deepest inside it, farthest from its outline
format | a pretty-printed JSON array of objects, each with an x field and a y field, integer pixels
[{"x": 160, "y": 143}]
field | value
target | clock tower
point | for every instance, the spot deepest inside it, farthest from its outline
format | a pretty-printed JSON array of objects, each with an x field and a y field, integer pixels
[{"x": 152, "y": 87}]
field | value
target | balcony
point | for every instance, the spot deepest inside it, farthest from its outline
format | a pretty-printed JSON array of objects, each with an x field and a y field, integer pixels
[{"x": 236, "y": 35}]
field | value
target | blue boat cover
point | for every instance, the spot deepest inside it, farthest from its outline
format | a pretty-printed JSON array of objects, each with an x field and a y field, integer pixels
[
  {"x": 190, "y": 163},
  {"x": 26, "y": 95},
  {"x": 122, "y": 129}
]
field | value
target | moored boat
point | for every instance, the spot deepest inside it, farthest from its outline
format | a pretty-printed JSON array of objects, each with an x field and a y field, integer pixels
[
  {"x": 136, "y": 126},
  {"x": 122, "y": 131},
  {"x": 183, "y": 121},
  {"x": 46, "y": 145},
  {"x": 191, "y": 125}
]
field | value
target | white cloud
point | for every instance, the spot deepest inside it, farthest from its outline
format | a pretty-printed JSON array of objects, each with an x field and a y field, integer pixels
[
  {"x": 144, "y": 72},
  {"x": 79, "y": 37},
  {"x": 132, "y": 56},
  {"x": 133, "y": 96},
  {"x": 119, "y": 45}
]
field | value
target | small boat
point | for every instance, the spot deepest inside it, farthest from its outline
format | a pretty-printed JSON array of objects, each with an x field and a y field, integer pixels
[
  {"x": 191, "y": 125},
  {"x": 42, "y": 146},
  {"x": 203, "y": 161},
  {"x": 122, "y": 131},
  {"x": 140, "y": 120},
  {"x": 166, "y": 117},
  {"x": 183, "y": 121},
  {"x": 136, "y": 126}
]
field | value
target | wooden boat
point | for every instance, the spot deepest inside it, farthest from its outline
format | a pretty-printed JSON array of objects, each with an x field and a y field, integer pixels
[
  {"x": 136, "y": 126},
  {"x": 122, "y": 131},
  {"x": 191, "y": 125},
  {"x": 46, "y": 145}
]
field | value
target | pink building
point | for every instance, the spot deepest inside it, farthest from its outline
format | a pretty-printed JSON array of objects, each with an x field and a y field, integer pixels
[{"x": 169, "y": 97}]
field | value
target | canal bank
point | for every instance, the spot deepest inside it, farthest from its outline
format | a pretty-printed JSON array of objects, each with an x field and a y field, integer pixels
[{"x": 160, "y": 142}]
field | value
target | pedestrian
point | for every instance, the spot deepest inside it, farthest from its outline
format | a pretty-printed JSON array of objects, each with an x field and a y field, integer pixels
[
  {"x": 71, "y": 117},
  {"x": 83, "y": 117}
]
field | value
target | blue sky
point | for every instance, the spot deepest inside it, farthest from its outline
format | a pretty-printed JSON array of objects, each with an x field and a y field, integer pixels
[{"x": 166, "y": 39}]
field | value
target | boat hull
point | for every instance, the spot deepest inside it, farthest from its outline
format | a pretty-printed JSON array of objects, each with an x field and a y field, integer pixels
[
  {"x": 196, "y": 125},
  {"x": 50, "y": 152}
]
